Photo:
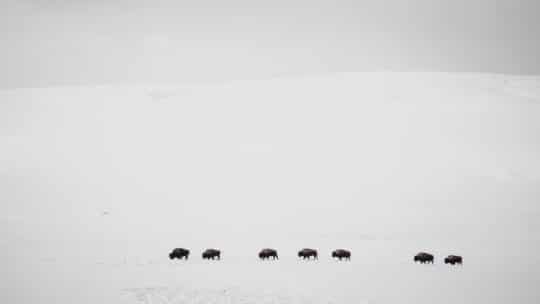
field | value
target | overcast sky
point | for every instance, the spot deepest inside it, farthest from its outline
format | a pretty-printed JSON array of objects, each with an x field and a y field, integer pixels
[{"x": 62, "y": 42}]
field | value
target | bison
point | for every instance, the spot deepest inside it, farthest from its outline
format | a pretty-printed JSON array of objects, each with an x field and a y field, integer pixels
[
  {"x": 423, "y": 258},
  {"x": 211, "y": 254},
  {"x": 341, "y": 254},
  {"x": 179, "y": 253},
  {"x": 268, "y": 253},
  {"x": 453, "y": 259},
  {"x": 307, "y": 253}
]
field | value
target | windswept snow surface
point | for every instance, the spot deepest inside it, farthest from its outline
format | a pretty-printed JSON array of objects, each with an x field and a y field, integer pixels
[{"x": 98, "y": 184}]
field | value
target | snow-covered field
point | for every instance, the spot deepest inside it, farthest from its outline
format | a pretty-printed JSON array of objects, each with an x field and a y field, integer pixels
[{"x": 98, "y": 184}]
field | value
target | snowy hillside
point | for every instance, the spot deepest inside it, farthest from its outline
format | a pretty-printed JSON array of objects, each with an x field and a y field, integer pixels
[{"x": 98, "y": 184}]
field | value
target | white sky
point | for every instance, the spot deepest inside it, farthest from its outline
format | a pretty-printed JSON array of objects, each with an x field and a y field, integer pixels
[{"x": 103, "y": 42}]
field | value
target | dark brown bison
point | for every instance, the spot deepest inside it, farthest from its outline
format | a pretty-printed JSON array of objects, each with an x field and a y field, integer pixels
[
  {"x": 453, "y": 259},
  {"x": 179, "y": 253},
  {"x": 307, "y": 253},
  {"x": 211, "y": 254},
  {"x": 424, "y": 258},
  {"x": 341, "y": 254},
  {"x": 268, "y": 253}
]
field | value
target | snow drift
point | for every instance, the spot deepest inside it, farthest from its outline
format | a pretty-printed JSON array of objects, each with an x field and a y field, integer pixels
[{"x": 98, "y": 184}]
